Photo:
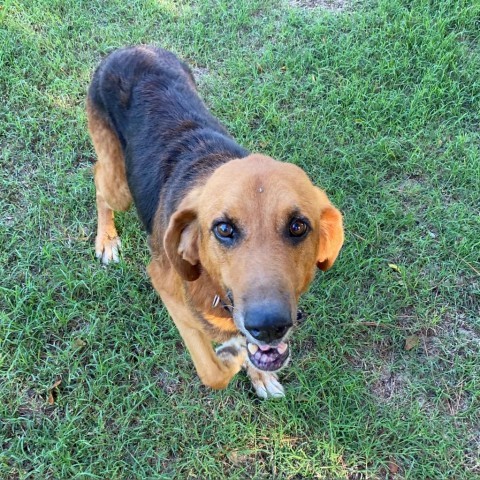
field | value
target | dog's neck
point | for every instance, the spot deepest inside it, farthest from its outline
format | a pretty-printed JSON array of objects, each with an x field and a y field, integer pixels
[
  {"x": 225, "y": 303},
  {"x": 207, "y": 297}
]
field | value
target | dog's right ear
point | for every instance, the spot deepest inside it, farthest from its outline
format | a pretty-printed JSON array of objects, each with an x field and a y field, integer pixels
[
  {"x": 331, "y": 233},
  {"x": 181, "y": 238}
]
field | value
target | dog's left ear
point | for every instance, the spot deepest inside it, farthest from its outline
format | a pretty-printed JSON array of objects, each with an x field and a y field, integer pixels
[
  {"x": 181, "y": 239},
  {"x": 331, "y": 234}
]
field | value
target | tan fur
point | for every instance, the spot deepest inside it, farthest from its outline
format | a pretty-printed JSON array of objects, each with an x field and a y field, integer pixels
[
  {"x": 188, "y": 251},
  {"x": 112, "y": 192},
  {"x": 282, "y": 185},
  {"x": 215, "y": 371},
  {"x": 189, "y": 267}
]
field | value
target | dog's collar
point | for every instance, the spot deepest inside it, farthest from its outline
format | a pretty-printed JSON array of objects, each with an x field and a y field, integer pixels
[{"x": 218, "y": 301}]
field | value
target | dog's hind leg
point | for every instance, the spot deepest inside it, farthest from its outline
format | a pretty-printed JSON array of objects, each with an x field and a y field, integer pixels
[{"x": 111, "y": 185}]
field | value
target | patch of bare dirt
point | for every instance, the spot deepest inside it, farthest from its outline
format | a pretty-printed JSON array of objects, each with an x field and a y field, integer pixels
[
  {"x": 35, "y": 406},
  {"x": 389, "y": 385},
  {"x": 168, "y": 382},
  {"x": 200, "y": 74},
  {"x": 330, "y": 5},
  {"x": 472, "y": 456}
]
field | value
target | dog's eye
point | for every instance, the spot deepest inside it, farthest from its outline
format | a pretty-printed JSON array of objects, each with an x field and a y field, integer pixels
[
  {"x": 224, "y": 230},
  {"x": 297, "y": 228}
]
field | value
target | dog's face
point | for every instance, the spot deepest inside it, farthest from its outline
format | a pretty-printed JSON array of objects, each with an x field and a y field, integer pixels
[{"x": 259, "y": 228}]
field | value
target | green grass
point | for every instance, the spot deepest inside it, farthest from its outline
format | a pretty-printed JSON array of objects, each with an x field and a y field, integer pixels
[{"x": 380, "y": 104}]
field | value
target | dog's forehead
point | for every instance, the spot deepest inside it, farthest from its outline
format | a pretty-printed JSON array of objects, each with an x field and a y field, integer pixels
[{"x": 258, "y": 182}]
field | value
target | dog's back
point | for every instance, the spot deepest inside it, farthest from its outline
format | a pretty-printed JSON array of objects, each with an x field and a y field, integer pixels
[
  {"x": 146, "y": 69},
  {"x": 148, "y": 98}
]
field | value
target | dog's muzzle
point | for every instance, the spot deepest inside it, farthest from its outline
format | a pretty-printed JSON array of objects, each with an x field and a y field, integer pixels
[{"x": 267, "y": 324}]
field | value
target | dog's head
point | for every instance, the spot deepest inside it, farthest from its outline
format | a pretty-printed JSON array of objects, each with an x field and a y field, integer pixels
[{"x": 259, "y": 227}]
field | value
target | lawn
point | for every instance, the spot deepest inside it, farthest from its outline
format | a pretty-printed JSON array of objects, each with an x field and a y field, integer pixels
[{"x": 379, "y": 101}]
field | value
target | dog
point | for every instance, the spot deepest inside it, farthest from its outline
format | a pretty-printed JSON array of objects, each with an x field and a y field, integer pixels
[{"x": 235, "y": 237}]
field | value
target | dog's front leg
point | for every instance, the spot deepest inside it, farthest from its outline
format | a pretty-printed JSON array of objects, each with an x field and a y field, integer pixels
[{"x": 215, "y": 369}]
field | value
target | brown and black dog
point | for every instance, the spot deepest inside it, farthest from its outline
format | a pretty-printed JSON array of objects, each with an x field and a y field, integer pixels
[{"x": 235, "y": 237}]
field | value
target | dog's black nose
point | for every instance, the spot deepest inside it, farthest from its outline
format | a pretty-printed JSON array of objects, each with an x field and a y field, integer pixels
[{"x": 267, "y": 321}]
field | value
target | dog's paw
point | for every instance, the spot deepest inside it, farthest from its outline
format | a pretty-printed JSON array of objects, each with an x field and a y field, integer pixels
[
  {"x": 233, "y": 351},
  {"x": 266, "y": 384},
  {"x": 107, "y": 249}
]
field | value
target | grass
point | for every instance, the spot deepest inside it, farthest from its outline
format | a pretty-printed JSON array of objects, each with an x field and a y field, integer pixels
[{"x": 380, "y": 103}]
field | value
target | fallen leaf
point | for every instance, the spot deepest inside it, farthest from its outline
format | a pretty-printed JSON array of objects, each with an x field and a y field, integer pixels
[
  {"x": 237, "y": 458},
  {"x": 78, "y": 342},
  {"x": 395, "y": 267},
  {"x": 411, "y": 342},
  {"x": 51, "y": 398},
  {"x": 393, "y": 467},
  {"x": 302, "y": 398}
]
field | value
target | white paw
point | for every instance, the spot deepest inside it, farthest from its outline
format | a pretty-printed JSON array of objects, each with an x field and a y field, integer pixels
[
  {"x": 266, "y": 384},
  {"x": 107, "y": 249}
]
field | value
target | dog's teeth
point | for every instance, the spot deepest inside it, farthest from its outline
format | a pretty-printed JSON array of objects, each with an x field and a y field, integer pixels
[
  {"x": 282, "y": 348},
  {"x": 252, "y": 348}
]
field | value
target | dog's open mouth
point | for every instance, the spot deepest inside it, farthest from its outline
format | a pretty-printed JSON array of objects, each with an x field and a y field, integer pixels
[{"x": 268, "y": 358}]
